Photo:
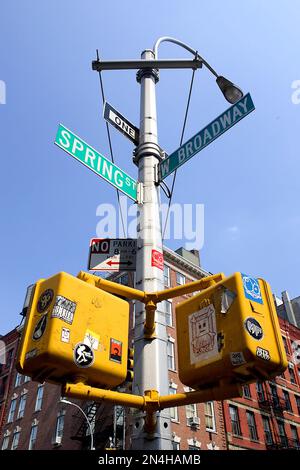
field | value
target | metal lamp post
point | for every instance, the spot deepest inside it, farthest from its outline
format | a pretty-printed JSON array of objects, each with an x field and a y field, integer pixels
[
  {"x": 63, "y": 400},
  {"x": 151, "y": 367}
]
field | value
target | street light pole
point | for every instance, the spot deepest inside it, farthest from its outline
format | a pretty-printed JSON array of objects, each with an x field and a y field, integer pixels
[
  {"x": 150, "y": 355},
  {"x": 63, "y": 400}
]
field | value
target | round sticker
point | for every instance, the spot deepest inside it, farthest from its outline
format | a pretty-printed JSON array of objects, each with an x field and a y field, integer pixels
[
  {"x": 40, "y": 328},
  {"x": 83, "y": 355},
  {"x": 253, "y": 328},
  {"x": 45, "y": 300}
]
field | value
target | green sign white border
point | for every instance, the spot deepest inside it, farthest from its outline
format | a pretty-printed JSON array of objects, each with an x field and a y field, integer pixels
[{"x": 62, "y": 127}]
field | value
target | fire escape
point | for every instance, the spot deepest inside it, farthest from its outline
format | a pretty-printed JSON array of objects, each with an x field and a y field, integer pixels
[
  {"x": 274, "y": 406},
  {"x": 107, "y": 422}
]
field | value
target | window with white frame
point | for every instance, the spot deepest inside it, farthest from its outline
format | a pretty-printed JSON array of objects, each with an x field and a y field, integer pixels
[
  {"x": 176, "y": 442},
  {"x": 60, "y": 422},
  {"x": 167, "y": 308},
  {"x": 193, "y": 444},
  {"x": 210, "y": 422},
  {"x": 33, "y": 435},
  {"x": 166, "y": 276},
  {"x": 174, "y": 409},
  {"x": 171, "y": 354},
  {"x": 191, "y": 413},
  {"x": 18, "y": 379},
  {"x": 22, "y": 405},
  {"x": 12, "y": 409},
  {"x": 5, "y": 442},
  {"x": 180, "y": 279},
  {"x": 16, "y": 438},
  {"x": 39, "y": 397}
]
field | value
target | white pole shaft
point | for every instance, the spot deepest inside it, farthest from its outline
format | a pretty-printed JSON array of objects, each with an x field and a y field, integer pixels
[{"x": 151, "y": 368}]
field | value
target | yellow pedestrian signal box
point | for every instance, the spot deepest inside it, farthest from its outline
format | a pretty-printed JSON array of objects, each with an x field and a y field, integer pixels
[
  {"x": 74, "y": 329},
  {"x": 229, "y": 333}
]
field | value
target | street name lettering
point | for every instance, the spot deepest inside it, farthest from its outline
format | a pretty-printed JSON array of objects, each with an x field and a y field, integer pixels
[
  {"x": 96, "y": 162},
  {"x": 207, "y": 135},
  {"x": 121, "y": 123}
]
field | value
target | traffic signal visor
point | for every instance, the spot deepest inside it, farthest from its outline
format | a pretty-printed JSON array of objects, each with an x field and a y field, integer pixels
[
  {"x": 229, "y": 332},
  {"x": 74, "y": 329}
]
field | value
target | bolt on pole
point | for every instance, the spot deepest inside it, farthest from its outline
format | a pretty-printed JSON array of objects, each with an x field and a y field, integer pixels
[{"x": 151, "y": 367}]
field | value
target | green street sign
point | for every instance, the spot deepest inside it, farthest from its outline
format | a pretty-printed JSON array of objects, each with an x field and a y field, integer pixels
[
  {"x": 207, "y": 135},
  {"x": 88, "y": 156}
]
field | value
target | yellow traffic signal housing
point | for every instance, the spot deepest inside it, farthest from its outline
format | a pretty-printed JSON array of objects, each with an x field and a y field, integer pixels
[
  {"x": 229, "y": 333},
  {"x": 74, "y": 329}
]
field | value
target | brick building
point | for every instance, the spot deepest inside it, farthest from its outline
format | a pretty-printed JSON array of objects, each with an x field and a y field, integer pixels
[
  {"x": 32, "y": 415},
  {"x": 268, "y": 415}
]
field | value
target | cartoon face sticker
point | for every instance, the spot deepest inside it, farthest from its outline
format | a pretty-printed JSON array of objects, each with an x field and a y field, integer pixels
[{"x": 203, "y": 334}]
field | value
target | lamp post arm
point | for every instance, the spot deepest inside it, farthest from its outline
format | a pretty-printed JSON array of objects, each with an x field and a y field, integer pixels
[
  {"x": 87, "y": 420},
  {"x": 185, "y": 46}
]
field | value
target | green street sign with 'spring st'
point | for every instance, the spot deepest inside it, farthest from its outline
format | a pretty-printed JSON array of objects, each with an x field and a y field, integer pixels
[{"x": 88, "y": 156}]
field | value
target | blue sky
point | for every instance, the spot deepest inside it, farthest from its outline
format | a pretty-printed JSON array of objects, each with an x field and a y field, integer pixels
[{"x": 248, "y": 179}]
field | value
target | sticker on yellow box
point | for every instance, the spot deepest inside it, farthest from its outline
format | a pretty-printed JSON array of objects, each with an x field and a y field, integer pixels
[
  {"x": 45, "y": 300},
  {"x": 91, "y": 339},
  {"x": 64, "y": 309},
  {"x": 203, "y": 334},
  {"x": 40, "y": 327},
  {"x": 65, "y": 335}
]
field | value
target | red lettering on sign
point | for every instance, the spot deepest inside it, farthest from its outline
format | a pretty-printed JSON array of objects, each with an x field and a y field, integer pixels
[{"x": 157, "y": 259}]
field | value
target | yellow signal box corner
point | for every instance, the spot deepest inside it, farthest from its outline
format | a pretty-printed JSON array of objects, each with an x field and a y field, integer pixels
[
  {"x": 229, "y": 333},
  {"x": 74, "y": 329}
]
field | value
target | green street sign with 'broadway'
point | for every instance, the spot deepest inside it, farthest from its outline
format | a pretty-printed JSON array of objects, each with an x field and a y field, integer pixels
[
  {"x": 207, "y": 135},
  {"x": 84, "y": 153}
]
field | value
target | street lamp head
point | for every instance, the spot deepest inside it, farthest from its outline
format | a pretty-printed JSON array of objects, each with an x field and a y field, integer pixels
[{"x": 231, "y": 92}]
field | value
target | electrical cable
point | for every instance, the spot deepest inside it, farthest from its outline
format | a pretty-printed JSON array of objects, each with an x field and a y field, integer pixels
[
  {"x": 110, "y": 146},
  {"x": 181, "y": 139}
]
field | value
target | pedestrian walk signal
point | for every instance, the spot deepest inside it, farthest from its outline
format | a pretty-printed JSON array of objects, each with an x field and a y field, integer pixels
[
  {"x": 229, "y": 333},
  {"x": 74, "y": 329}
]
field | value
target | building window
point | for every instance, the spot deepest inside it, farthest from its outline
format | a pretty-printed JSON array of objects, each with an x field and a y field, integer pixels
[
  {"x": 180, "y": 279},
  {"x": 292, "y": 374},
  {"x": 33, "y": 436},
  {"x": 26, "y": 379},
  {"x": 9, "y": 357},
  {"x": 191, "y": 415},
  {"x": 298, "y": 403},
  {"x": 235, "y": 421},
  {"x": 16, "y": 438},
  {"x": 123, "y": 280},
  {"x": 267, "y": 430},
  {"x": 274, "y": 394},
  {"x": 252, "y": 426},
  {"x": 295, "y": 437},
  {"x": 167, "y": 308},
  {"x": 5, "y": 442},
  {"x": 39, "y": 397},
  {"x": 12, "y": 409},
  {"x": 171, "y": 355},
  {"x": 287, "y": 400},
  {"x": 166, "y": 276},
  {"x": 60, "y": 422},
  {"x": 246, "y": 391},
  {"x": 175, "y": 445},
  {"x": 210, "y": 422},
  {"x": 22, "y": 405},
  {"x": 18, "y": 380},
  {"x": 174, "y": 409},
  {"x": 285, "y": 345},
  {"x": 260, "y": 392},
  {"x": 282, "y": 434},
  {"x": 194, "y": 444}
]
